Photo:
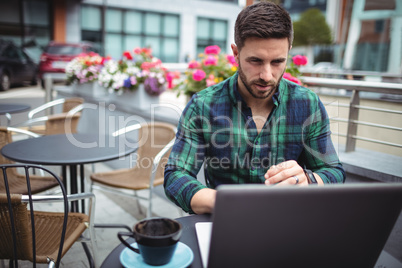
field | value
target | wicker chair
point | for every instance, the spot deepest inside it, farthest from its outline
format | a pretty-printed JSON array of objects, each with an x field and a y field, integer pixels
[
  {"x": 41, "y": 236},
  {"x": 154, "y": 141},
  {"x": 54, "y": 123},
  {"x": 17, "y": 181}
]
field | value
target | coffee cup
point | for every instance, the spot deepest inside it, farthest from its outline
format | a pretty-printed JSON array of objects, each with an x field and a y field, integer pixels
[{"x": 156, "y": 239}]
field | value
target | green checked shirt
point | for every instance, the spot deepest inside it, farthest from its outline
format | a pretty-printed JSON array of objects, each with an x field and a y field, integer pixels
[{"x": 217, "y": 127}]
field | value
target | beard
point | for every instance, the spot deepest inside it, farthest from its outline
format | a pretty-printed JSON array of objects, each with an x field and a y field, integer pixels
[{"x": 254, "y": 92}]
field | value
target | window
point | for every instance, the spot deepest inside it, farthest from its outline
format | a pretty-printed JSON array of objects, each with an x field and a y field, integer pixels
[
  {"x": 127, "y": 29},
  {"x": 91, "y": 25},
  {"x": 211, "y": 32}
]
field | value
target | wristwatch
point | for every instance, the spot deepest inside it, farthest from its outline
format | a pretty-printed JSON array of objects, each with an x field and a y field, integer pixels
[{"x": 310, "y": 176}]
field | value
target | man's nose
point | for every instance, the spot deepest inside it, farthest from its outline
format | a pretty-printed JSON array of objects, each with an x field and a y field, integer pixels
[{"x": 266, "y": 73}]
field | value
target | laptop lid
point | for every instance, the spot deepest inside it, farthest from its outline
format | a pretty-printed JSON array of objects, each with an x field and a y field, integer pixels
[{"x": 332, "y": 226}]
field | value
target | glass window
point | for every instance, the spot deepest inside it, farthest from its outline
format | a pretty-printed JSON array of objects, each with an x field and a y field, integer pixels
[
  {"x": 219, "y": 30},
  {"x": 133, "y": 22},
  {"x": 203, "y": 28},
  {"x": 36, "y": 13},
  {"x": 171, "y": 26},
  {"x": 170, "y": 51},
  {"x": 211, "y": 32},
  {"x": 127, "y": 29},
  {"x": 131, "y": 42},
  {"x": 152, "y": 24},
  {"x": 91, "y": 18},
  {"x": 154, "y": 43},
  {"x": 114, "y": 20},
  {"x": 10, "y": 11},
  {"x": 113, "y": 45}
]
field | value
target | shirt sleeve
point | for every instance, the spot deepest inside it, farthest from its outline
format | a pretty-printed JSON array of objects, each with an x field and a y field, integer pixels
[
  {"x": 319, "y": 153},
  {"x": 186, "y": 158}
]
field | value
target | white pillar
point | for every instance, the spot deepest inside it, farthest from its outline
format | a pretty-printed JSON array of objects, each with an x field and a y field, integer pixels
[
  {"x": 395, "y": 49},
  {"x": 354, "y": 33}
]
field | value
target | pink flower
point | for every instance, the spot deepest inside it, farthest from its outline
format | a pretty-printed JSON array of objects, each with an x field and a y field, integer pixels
[
  {"x": 211, "y": 60},
  {"x": 212, "y": 50},
  {"x": 211, "y": 80},
  {"x": 170, "y": 76},
  {"x": 198, "y": 75},
  {"x": 193, "y": 64},
  {"x": 289, "y": 77},
  {"x": 232, "y": 60},
  {"x": 299, "y": 60}
]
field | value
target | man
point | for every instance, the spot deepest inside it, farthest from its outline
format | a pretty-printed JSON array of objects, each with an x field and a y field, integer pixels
[{"x": 254, "y": 127}]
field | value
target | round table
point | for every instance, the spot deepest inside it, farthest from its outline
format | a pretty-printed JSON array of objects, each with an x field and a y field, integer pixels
[
  {"x": 11, "y": 108},
  {"x": 69, "y": 150},
  {"x": 189, "y": 237}
]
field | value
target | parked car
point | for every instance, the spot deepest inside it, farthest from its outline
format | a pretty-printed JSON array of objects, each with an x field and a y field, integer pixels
[
  {"x": 56, "y": 56},
  {"x": 16, "y": 67}
]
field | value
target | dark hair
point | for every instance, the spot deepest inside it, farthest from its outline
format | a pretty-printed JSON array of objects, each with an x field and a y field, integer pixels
[{"x": 263, "y": 20}]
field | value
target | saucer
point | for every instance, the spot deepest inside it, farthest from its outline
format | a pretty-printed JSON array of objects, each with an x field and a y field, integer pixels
[{"x": 182, "y": 257}]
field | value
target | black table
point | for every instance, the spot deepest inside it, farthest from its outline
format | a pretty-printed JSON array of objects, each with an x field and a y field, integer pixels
[
  {"x": 188, "y": 237},
  {"x": 71, "y": 150},
  {"x": 11, "y": 108}
]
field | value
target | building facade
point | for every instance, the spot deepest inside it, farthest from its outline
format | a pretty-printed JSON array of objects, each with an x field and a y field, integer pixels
[{"x": 367, "y": 34}]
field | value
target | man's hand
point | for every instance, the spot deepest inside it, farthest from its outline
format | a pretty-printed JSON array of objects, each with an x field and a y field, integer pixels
[{"x": 286, "y": 173}]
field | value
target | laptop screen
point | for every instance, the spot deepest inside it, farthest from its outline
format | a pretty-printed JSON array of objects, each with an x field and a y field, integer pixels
[{"x": 318, "y": 226}]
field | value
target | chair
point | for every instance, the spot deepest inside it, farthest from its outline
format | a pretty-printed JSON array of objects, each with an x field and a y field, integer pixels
[
  {"x": 154, "y": 141},
  {"x": 53, "y": 123},
  {"x": 41, "y": 236},
  {"x": 17, "y": 181}
]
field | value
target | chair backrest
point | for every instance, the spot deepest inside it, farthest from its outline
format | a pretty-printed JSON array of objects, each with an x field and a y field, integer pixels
[
  {"x": 70, "y": 103},
  {"x": 19, "y": 222},
  {"x": 152, "y": 138},
  {"x": 5, "y": 138},
  {"x": 62, "y": 123}
]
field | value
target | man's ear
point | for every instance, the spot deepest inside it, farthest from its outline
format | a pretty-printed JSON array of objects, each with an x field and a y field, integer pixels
[{"x": 235, "y": 52}]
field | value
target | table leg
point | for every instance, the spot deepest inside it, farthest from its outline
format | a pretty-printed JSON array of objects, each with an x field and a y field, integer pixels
[
  {"x": 64, "y": 175},
  {"x": 82, "y": 177},
  {"x": 73, "y": 186}
]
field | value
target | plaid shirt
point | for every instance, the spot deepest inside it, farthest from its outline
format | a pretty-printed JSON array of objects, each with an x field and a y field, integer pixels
[{"x": 217, "y": 126}]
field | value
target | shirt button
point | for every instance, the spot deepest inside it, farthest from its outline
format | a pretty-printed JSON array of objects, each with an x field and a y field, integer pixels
[
  {"x": 256, "y": 143},
  {"x": 252, "y": 168}
]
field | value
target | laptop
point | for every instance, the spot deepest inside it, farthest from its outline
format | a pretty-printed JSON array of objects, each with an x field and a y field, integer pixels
[{"x": 331, "y": 226}]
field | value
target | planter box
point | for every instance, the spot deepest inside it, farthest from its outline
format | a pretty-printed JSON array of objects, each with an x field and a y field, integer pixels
[
  {"x": 138, "y": 99},
  {"x": 92, "y": 89}
]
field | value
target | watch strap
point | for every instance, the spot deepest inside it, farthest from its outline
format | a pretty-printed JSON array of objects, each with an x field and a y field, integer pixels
[{"x": 310, "y": 176}]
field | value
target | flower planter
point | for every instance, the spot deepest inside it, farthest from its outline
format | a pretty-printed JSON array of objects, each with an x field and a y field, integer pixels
[
  {"x": 138, "y": 99},
  {"x": 92, "y": 89}
]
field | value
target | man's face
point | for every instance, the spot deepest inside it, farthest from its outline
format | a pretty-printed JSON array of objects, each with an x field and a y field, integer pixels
[{"x": 262, "y": 63}]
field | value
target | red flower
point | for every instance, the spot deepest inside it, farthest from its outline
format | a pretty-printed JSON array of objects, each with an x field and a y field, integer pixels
[
  {"x": 127, "y": 54},
  {"x": 299, "y": 60},
  {"x": 212, "y": 50},
  {"x": 198, "y": 75},
  {"x": 289, "y": 77}
]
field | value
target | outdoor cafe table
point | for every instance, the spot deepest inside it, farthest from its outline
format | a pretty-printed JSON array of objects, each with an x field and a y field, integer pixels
[
  {"x": 11, "y": 108},
  {"x": 188, "y": 237},
  {"x": 71, "y": 150}
]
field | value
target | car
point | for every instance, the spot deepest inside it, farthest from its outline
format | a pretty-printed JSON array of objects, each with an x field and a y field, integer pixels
[
  {"x": 56, "y": 55},
  {"x": 16, "y": 67}
]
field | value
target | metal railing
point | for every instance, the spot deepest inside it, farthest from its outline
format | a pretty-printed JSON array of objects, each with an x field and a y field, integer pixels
[{"x": 353, "y": 122}]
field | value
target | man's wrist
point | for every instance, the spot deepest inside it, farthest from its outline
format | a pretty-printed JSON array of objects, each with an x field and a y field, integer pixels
[{"x": 310, "y": 176}]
